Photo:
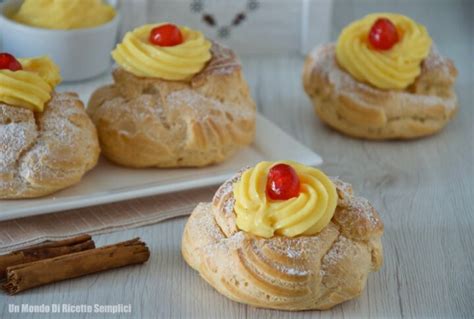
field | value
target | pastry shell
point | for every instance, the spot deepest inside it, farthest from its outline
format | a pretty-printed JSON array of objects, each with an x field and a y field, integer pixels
[
  {"x": 150, "y": 122},
  {"x": 41, "y": 153},
  {"x": 301, "y": 273},
  {"x": 360, "y": 110}
]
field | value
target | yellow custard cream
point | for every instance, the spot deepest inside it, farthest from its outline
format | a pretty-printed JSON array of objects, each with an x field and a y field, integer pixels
[
  {"x": 395, "y": 68},
  {"x": 306, "y": 214},
  {"x": 180, "y": 62},
  {"x": 31, "y": 87},
  {"x": 64, "y": 14}
]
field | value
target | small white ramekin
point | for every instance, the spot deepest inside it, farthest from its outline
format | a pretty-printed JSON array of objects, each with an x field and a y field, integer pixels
[{"x": 81, "y": 53}]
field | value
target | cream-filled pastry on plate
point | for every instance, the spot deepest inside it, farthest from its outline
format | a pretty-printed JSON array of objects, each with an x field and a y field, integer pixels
[
  {"x": 283, "y": 235},
  {"x": 383, "y": 79},
  {"x": 47, "y": 141},
  {"x": 178, "y": 100}
]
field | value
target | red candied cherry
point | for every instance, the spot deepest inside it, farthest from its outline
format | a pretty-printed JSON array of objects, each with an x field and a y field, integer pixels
[
  {"x": 383, "y": 35},
  {"x": 166, "y": 35},
  {"x": 8, "y": 62},
  {"x": 282, "y": 182}
]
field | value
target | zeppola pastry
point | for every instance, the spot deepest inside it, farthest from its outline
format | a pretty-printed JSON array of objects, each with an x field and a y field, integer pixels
[
  {"x": 285, "y": 236},
  {"x": 383, "y": 79},
  {"x": 47, "y": 141},
  {"x": 178, "y": 100}
]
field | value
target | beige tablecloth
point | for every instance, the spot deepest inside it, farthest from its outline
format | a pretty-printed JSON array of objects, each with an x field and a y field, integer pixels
[{"x": 18, "y": 233}]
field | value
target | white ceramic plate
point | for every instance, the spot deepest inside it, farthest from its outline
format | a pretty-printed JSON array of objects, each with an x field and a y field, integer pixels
[{"x": 109, "y": 183}]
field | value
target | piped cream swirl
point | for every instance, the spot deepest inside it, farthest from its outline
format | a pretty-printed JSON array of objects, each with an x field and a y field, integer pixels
[
  {"x": 306, "y": 214},
  {"x": 396, "y": 68},
  {"x": 180, "y": 62},
  {"x": 30, "y": 87}
]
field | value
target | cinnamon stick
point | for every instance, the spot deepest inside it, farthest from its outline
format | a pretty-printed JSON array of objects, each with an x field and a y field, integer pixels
[
  {"x": 48, "y": 249},
  {"x": 38, "y": 273}
]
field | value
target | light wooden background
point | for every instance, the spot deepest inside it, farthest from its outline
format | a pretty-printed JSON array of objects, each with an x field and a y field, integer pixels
[{"x": 423, "y": 190}]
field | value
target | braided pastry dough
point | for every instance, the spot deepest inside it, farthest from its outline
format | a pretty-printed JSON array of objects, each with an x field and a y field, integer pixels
[
  {"x": 300, "y": 273},
  {"x": 41, "y": 153},
  {"x": 360, "y": 110},
  {"x": 149, "y": 122}
]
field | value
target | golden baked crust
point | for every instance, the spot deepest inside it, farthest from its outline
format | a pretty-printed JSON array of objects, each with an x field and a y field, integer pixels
[
  {"x": 301, "y": 273},
  {"x": 41, "y": 153},
  {"x": 146, "y": 122},
  {"x": 360, "y": 110}
]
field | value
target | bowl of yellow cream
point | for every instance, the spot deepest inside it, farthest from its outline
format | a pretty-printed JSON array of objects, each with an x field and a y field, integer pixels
[{"x": 77, "y": 34}]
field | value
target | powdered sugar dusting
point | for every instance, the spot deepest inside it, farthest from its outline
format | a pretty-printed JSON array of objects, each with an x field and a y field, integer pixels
[
  {"x": 355, "y": 215},
  {"x": 207, "y": 224},
  {"x": 344, "y": 191},
  {"x": 275, "y": 243},
  {"x": 226, "y": 190},
  {"x": 18, "y": 133},
  {"x": 223, "y": 62},
  {"x": 229, "y": 206},
  {"x": 436, "y": 61},
  {"x": 293, "y": 271},
  {"x": 362, "y": 207},
  {"x": 235, "y": 241},
  {"x": 289, "y": 247},
  {"x": 225, "y": 244},
  {"x": 292, "y": 253},
  {"x": 29, "y": 142},
  {"x": 13, "y": 140},
  {"x": 336, "y": 253},
  {"x": 200, "y": 108}
]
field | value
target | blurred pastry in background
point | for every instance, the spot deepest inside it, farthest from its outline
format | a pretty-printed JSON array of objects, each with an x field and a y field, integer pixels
[
  {"x": 47, "y": 141},
  {"x": 383, "y": 79},
  {"x": 283, "y": 235},
  {"x": 178, "y": 100}
]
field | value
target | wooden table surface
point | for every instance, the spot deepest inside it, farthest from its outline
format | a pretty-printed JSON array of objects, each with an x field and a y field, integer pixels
[{"x": 423, "y": 190}]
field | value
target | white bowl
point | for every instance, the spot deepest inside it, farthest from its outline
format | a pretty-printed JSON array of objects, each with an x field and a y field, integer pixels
[{"x": 80, "y": 53}]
